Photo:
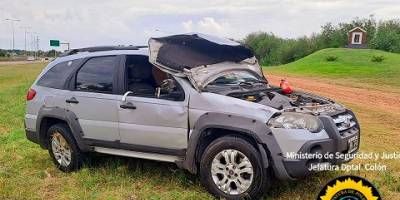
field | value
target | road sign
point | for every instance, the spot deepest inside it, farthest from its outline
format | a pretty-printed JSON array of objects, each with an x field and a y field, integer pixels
[{"x": 54, "y": 43}]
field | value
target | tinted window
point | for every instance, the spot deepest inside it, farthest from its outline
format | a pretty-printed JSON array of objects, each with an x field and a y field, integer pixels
[
  {"x": 57, "y": 75},
  {"x": 96, "y": 75}
]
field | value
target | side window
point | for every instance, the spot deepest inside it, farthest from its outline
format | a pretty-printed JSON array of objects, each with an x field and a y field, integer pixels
[
  {"x": 139, "y": 76},
  {"x": 146, "y": 80},
  {"x": 96, "y": 75},
  {"x": 57, "y": 75}
]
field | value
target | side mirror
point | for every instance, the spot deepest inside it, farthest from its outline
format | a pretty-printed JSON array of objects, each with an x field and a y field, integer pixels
[{"x": 126, "y": 95}]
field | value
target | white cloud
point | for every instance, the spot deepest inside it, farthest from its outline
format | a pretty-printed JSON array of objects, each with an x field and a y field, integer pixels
[
  {"x": 388, "y": 12},
  {"x": 188, "y": 26},
  {"x": 206, "y": 25}
]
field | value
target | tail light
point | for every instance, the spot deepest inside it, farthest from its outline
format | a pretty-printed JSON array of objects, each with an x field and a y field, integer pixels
[
  {"x": 286, "y": 87},
  {"x": 31, "y": 94}
]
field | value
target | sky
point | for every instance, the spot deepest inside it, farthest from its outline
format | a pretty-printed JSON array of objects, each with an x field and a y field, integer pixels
[{"x": 85, "y": 23}]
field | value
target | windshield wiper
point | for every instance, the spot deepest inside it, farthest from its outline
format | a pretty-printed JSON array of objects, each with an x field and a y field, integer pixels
[
  {"x": 251, "y": 83},
  {"x": 259, "y": 81},
  {"x": 243, "y": 83}
]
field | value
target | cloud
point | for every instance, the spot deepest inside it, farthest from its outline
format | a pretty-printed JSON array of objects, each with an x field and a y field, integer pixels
[
  {"x": 188, "y": 25},
  {"x": 206, "y": 25},
  {"x": 388, "y": 12}
]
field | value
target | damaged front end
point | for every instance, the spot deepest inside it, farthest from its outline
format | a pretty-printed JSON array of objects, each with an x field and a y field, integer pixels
[
  {"x": 299, "y": 121},
  {"x": 205, "y": 60}
]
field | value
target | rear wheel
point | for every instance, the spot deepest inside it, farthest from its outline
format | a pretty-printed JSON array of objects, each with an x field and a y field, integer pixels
[
  {"x": 63, "y": 149},
  {"x": 231, "y": 168}
]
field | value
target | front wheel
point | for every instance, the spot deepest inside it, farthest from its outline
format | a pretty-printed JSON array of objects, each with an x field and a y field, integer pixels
[{"x": 231, "y": 168}]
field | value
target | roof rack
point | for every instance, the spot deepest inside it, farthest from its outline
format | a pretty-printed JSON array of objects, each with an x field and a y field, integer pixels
[{"x": 100, "y": 48}]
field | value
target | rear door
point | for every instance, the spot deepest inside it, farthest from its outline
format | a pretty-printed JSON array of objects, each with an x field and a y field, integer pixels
[{"x": 94, "y": 98}]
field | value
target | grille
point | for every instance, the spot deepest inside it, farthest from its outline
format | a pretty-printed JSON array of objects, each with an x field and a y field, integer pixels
[{"x": 345, "y": 123}]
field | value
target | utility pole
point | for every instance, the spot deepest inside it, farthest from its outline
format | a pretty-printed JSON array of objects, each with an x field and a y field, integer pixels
[
  {"x": 13, "y": 32},
  {"x": 37, "y": 46},
  {"x": 26, "y": 32},
  {"x": 29, "y": 43},
  {"x": 35, "y": 43}
]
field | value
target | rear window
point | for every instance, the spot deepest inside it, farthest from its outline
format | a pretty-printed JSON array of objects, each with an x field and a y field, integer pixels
[{"x": 57, "y": 75}]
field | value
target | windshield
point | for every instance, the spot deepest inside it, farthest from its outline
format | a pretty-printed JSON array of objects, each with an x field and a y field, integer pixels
[{"x": 236, "y": 78}]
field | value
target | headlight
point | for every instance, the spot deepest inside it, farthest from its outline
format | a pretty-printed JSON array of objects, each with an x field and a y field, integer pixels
[{"x": 291, "y": 120}]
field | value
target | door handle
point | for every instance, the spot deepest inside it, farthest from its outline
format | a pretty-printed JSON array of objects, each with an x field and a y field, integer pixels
[
  {"x": 72, "y": 100},
  {"x": 128, "y": 106}
]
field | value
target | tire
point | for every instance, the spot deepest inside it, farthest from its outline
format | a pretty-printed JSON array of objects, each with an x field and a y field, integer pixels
[
  {"x": 66, "y": 146},
  {"x": 228, "y": 145}
]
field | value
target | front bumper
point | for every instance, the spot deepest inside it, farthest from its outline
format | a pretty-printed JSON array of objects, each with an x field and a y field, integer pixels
[{"x": 338, "y": 142}]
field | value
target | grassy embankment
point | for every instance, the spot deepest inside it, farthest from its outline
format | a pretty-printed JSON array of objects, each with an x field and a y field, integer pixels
[{"x": 353, "y": 67}]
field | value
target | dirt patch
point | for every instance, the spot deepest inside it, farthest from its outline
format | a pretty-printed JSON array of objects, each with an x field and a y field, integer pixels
[
  {"x": 51, "y": 186},
  {"x": 3, "y": 130},
  {"x": 385, "y": 101}
]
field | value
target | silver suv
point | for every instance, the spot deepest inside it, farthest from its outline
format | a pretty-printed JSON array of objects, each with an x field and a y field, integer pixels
[{"x": 196, "y": 100}]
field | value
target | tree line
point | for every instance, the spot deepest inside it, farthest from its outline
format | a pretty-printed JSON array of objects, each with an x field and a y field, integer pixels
[
  {"x": 17, "y": 52},
  {"x": 271, "y": 49}
]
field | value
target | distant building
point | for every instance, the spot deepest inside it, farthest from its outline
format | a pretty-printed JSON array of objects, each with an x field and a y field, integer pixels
[{"x": 357, "y": 38}]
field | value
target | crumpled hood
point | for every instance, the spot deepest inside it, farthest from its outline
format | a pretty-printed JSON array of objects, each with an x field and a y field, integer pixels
[
  {"x": 201, "y": 76},
  {"x": 200, "y": 57}
]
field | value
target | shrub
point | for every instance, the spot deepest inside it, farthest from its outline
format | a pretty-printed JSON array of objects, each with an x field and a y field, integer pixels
[
  {"x": 331, "y": 58},
  {"x": 377, "y": 58}
]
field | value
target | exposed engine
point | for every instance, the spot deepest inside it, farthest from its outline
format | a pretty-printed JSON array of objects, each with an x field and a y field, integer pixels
[{"x": 296, "y": 101}]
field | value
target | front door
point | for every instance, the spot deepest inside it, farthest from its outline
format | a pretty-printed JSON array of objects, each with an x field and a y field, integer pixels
[
  {"x": 147, "y": 120},
  {"x": 93, "y": 98}
]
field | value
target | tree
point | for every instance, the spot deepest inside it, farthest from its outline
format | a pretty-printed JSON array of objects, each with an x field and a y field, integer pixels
[
  {"x": 3, "y": 53},
  {"x": 387, "y": 36}
]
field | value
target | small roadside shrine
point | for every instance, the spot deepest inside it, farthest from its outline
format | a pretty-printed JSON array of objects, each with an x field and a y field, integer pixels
[{"x": 357, "y": 38}]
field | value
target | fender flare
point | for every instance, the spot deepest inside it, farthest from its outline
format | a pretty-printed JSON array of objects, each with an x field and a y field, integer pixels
[
  {"x": 251, "y": 127},
  {"x": 65, "y": 115}
]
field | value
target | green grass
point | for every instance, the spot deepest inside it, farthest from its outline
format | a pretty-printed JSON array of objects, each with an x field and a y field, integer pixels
[
  {"x": 26, "y": 171},
  {"x": 351, "y": 64}
]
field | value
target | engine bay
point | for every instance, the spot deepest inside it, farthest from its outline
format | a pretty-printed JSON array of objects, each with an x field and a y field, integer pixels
[{"x": 275, "y": 98}]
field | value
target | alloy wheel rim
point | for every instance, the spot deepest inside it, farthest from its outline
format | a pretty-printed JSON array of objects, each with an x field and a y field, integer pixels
[
  {"x": 61, "y": 149},
  {"x": 232, "y": 172}
]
